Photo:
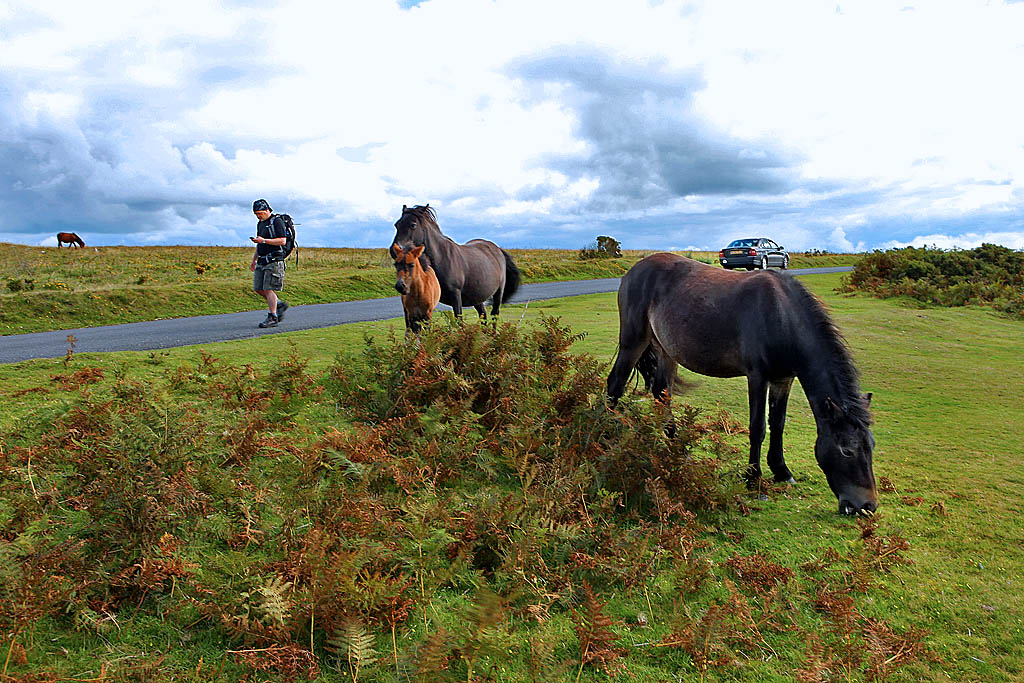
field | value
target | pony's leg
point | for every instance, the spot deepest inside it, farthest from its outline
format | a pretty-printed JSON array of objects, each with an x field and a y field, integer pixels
[
  {"x": 757, "y": 389},
  {"x": 457, "y": 303},
  {"x": 661, "y": 386},
  {"x": 664, "y": 373},
  {"x": 496, "y": 301},
  {"x": 778, "y": 399},
  {"x": 481, "y": 311},
  {"x": 633, "y": 341}
]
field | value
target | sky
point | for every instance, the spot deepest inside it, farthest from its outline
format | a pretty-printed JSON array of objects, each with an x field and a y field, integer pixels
[{"x": 844, "y": 126}]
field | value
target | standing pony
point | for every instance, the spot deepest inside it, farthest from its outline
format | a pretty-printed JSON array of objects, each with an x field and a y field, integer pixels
[
  {"x": 418, "y": 286},
  {"x": 470, "y": 273},
  {"x": 767, "y": 327},
  {"x": 70, "y": 239}
]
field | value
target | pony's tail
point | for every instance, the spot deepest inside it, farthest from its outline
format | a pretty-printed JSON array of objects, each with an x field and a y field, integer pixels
[{"x": 512, "y": 278}]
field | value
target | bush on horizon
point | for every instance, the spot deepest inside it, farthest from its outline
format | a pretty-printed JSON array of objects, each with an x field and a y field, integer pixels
[{"x": 990, "y": 275}]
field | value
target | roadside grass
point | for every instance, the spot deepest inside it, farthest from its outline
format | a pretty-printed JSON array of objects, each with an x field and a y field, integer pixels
[
  {"x": 950, "y": 433},
  {"x": 45, "y": 288}
]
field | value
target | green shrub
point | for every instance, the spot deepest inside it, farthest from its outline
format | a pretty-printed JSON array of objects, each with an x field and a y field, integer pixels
[
  {"x": 988, "y": 275},
  {"x": 602, "y": 247}
]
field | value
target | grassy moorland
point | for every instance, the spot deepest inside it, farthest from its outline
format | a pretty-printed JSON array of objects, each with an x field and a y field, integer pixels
[
  {"x": 45, "y": 288},
  {"x": 364, "y": 513}
]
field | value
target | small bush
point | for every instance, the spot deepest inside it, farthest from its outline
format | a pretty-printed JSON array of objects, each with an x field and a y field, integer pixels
[
  {"x": 19, "y": 284},
  {"x": 602, "y": 247}
]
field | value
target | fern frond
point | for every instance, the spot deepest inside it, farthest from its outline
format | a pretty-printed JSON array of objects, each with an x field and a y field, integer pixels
[{"x": 353, "y": 645}]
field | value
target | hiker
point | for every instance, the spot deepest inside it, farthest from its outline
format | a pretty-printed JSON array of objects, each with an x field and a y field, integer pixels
[{"x": 268, "y": 262}]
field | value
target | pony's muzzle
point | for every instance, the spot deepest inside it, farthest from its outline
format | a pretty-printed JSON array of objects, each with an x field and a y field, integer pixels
[
  {"x": 857, "y": 501},
  {"x": 402, "y": 287}
]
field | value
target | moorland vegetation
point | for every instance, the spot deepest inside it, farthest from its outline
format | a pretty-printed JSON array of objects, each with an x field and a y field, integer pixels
[
  {"x": 989, "y": 275},
  {"x": 462, "y": 508}
]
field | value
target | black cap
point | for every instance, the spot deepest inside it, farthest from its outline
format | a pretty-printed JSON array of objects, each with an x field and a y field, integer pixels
[{"x": 261, "y": 205}]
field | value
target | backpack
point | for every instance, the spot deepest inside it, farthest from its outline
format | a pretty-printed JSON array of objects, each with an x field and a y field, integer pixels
[{"x": 289, "y": 245}]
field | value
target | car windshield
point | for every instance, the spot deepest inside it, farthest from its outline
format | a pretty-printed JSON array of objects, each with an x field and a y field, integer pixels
[{"x": 743, "y": 243}]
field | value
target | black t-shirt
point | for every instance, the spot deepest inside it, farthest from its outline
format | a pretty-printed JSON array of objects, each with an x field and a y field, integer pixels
[{"x": 265, "y": 229}]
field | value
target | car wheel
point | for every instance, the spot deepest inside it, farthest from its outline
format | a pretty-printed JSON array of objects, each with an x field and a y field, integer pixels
[
  {"x": 785, "y": 261},
  {"x": 764, "y": 263}
]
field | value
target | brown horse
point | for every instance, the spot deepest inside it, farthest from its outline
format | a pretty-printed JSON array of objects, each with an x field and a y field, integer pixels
[
  {"x": 469, "y": 273},
  {"x": 69, "y": 238},
  {"x": 418, "y": 286},
  {"x": 766, "y": 326}
]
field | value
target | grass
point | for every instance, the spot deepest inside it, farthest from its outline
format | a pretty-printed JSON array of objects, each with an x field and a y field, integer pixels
[
  {"x": 950, "y": 433},
  {"x": 45, "y": 288}
]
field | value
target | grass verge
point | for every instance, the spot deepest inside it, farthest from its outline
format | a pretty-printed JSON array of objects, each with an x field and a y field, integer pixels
[{"x": 45, "y": 288}]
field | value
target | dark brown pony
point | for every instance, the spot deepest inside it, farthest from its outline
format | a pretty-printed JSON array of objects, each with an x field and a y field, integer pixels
[
  {"x": 766, "y": 326},
  {"x": 470, "y": 273},
  {"x": 418, "y": 286},
  {"x": 69, "y": 238}
]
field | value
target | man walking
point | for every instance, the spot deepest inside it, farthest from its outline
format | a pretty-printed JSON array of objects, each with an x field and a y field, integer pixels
[{"x": 267, "y": 261}]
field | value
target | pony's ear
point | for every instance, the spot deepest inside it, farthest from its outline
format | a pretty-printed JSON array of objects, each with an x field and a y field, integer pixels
[
  {"x": 833, "y": 409},
  {"x": 404, "y": 208},
  {"x": 397, "y": 250},
  {"x": 867, "y": 399},
  {"x": 416, "y": 251}
]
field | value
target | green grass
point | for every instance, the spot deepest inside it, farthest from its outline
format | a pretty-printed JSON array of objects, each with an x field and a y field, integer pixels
[
  {"x": 45, "y": 288},
  {"x": 950, "y": 432}
]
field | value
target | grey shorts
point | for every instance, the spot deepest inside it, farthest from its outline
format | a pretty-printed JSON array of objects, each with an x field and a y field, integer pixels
[{"x": 269, "y": 276}]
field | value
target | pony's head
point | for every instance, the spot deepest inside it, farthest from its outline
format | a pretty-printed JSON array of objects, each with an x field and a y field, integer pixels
[
  {"x": 411, "y": 228},
  {"x": 406, "y": 265},
  {"x": 843, "y": 450}
]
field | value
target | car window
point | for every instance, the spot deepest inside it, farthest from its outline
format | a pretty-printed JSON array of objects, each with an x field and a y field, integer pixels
[{"x": 743, "y": 243}]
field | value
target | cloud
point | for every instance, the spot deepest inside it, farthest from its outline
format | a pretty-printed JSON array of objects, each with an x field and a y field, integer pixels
[
  {"x": 527, "y": 122},
  {"x": 643, "y": 139},
  {"x": 1013, "y": 240}
]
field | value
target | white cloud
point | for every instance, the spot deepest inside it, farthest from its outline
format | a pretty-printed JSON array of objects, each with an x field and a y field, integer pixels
[
  {"x": 1013, "y": 240},
  {"x": 846, "y": 126}
]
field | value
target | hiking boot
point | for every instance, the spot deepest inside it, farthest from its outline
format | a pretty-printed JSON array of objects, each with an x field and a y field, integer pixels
[
  {"x": 282, "y": 306},
  {"x": 271, "y": 321}
]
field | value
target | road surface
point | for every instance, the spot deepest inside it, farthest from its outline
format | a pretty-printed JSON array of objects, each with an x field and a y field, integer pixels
[{"x": 163, "y": 334}]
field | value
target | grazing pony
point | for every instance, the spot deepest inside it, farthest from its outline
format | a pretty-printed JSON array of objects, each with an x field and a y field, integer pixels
[
  {"x": 762, "y": 325},
  {"x": 69, "y": 238},
  {"x": 418, "y": 286},
  {"x": 470, "y": 273}
]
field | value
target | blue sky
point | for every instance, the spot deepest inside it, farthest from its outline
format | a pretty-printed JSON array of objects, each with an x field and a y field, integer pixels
[{"x": 534, "y": 123}]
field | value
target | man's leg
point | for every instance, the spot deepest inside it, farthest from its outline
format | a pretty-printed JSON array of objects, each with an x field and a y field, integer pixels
[{"x": 271, "y": 298}]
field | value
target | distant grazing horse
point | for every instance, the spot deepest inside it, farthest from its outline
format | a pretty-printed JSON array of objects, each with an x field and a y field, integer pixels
[
  {"x": 469, "y": 273},
  {"x": 69, "y": 238},
  {"x": 765, "y": 326},
  {"x": 418, "y": 286}
]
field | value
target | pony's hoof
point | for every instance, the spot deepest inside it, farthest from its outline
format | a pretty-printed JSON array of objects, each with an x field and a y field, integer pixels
[{"x": 791, "y": 480}]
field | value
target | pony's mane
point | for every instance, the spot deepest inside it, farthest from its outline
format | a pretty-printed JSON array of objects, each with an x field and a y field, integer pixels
[
  {"x": 429, "y": 218},
  {"x": 839, "y": 359},
  {"x": 424, "y": 213}
]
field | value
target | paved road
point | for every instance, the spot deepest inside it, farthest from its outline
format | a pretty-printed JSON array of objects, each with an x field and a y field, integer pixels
[{"x": 162, "y": 334}]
